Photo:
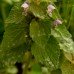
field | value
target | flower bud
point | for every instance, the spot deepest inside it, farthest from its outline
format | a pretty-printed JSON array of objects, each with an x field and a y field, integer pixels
[
  {"x": 25, "y": 5},
  {"x": 57, "y": 22},
  {"x": 50, "y": 8}
]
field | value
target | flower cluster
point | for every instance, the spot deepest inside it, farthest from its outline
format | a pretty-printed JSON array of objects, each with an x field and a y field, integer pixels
[{"x": 50, "y": 9}]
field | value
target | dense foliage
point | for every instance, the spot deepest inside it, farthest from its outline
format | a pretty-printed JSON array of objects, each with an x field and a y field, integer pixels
[{"x": 38, "y": 34}]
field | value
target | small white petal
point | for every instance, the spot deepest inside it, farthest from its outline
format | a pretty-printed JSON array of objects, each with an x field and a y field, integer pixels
[
  {"x": 50, "y": 8},
  {"x": 57, "y": 22},
  {"x": 25, "y": 5}
]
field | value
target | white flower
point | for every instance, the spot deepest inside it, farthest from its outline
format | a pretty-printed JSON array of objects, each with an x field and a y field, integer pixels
[
  {"x": 57, "y": 22},
  {"x": 25, "y": 5},
  {"x": 50, "y": 8}
]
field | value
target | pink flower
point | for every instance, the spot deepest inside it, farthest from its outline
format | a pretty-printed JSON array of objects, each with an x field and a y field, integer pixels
[
  {"x": 50, "y": 8},
  {"x": 25, "y": 5},
  {"x": 57, "y": 22}
]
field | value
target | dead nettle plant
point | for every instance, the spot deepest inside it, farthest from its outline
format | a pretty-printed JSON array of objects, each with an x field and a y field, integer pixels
[{"x": 39, "y": 34}]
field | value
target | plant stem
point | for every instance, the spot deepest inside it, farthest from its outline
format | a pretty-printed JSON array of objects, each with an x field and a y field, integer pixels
[
  {"x": 27, "y": 61},
  {"x": 25, "y": 69}
]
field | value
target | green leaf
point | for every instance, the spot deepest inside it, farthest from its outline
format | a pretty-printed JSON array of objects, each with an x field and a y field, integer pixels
[
  {"x": 55, "y": 14},
  {"x": 53, "y": 51},
  {"x": 13, "y": 45},
  {"x": 14, "y": 35},
  {"x": 67, "y": 67},
  {"x": 64, "y": 38},
  {"x": 37, "y": 11},
  {"x": 40, "y": 31},
  {"x": 15, "y": 14},
  {"x": 15, "y": 42},
  {"x": 48, "y": 55}
]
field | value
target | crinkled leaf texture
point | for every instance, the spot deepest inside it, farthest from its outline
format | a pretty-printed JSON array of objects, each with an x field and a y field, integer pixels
[
  {"x": 37, "y": 11},
  {"x": 40, "y": 32},
  {"x": 15, "y": 15},
  {"x": 64, "y": 39},
  {"x": 14, "y": 40},
  {"x": 45, "y": 48}
]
